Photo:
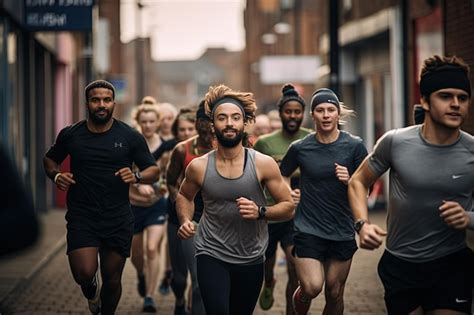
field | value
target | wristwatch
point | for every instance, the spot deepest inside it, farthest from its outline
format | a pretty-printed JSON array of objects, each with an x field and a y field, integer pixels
[
  {"x": 138, "y": 176},
  {"x": 261, "y": 212},
  {"x": 358, "y": 225}
]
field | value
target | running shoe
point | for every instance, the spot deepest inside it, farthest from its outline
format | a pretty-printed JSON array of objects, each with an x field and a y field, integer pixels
[
  {"x": 180, "y": 309},
  {"x": 165, "y": 283},
  {"x": 266, "y": 296},
  {"x": 94, "y": 303},
  {"x": 149, "y": 305},
  {"x": 301, "y": 304},
  {"x": 141, "y": 286}
]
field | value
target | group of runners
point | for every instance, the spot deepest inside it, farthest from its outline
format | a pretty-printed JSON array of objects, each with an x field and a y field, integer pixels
[{"x": 230, "y": 202}]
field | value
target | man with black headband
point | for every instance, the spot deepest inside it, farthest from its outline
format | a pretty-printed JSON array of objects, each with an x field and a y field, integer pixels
[
  {"x": 426, "y": 267},
  {"x": 324, "y": 238},
  {"x": 291, "y": 108},
  {"x": 99, "y": 219},
  {"x": 232, "y": 234}
]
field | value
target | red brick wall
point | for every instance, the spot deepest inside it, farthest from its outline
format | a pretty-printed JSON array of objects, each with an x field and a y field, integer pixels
[{"x": 459, "y": 40}]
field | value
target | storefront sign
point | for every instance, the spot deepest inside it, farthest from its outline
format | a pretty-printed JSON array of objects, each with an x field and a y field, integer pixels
[{"x": 58, "y": 15}]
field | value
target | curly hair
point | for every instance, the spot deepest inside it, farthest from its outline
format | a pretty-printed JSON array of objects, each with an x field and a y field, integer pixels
[
  {"x": 218, "y": 92},
  {"x": 289, "y": 93}
]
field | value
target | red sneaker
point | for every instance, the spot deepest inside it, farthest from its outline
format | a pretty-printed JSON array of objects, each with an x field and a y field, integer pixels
[{"x": 301, "y": 304}]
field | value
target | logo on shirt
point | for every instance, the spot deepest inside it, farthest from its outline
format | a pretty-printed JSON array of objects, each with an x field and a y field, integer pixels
[
  {"x": 457, "y": 176},
  {"x": 117, "y": 144},
  {"x": 460, "y": 301}
]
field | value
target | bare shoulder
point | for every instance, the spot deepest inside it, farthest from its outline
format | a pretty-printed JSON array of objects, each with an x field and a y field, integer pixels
[
  {"x": 195, "y": 170},
  {"x": 261, "y": 158},
  {"x": 179, "y": 149},
  {"x": 266, "y": 165}
]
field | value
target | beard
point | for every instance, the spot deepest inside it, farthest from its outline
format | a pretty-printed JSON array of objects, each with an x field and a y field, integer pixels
[
  {"x": 292, "y": 129},
  {"x": 229, "y": 142},
  {"x": 100, "y": 120}
]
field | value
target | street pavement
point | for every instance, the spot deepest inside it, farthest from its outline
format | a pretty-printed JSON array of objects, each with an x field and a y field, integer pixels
[{"x": 39, "y": 281}]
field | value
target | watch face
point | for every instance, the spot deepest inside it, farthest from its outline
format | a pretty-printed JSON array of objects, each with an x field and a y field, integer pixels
[{"x": 358, "y": 225}]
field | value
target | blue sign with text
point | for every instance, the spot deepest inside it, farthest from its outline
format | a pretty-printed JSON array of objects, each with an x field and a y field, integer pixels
[{"x": 58, "y": 15}]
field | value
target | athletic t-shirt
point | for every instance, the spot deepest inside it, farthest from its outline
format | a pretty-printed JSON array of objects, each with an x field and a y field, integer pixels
[
  {"x": 422, "y": 175},
  {"x": 276, "y": 145},
  {"x": 95, "y": 157},
  {"x": 324, "y": 209}
]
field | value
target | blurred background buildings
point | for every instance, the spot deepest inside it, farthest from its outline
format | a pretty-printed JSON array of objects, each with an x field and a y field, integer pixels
[{"x": 370, "y": 52}]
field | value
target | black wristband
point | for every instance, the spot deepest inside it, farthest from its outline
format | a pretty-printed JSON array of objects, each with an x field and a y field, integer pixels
[{"x": 261, "y": 212}]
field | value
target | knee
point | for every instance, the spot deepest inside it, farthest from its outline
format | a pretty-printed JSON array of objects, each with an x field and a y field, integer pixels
[
  {"x": 112, "y": 283},
  {"x": 179, "y": 279},
  {"x": 151, "y": 252},
  {"x": 334, "y": 292},
  {"x": 84, "y": 276},
  {"x": 311, "y": 290}
]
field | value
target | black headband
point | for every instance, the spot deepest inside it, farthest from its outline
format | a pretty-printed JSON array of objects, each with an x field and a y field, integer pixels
[
  {"x": 227, "y": 100},
  {"x": 445, "y": 78}
]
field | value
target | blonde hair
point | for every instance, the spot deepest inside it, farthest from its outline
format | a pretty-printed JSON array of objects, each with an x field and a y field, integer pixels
[
  {"x": 148, "y": 100},
  {"x": 167, "y": 107},
  {"x": 345, "y": 112},
  {"x": 218, "y": 92},
  {"x": 144, "y": 108}
]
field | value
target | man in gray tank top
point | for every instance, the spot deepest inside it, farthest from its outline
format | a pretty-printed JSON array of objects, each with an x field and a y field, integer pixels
[
  {"x": 232, "y": 235},
  {"x": 426, "y": 266}
]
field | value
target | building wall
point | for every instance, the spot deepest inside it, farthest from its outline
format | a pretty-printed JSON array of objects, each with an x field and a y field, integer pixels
[
  {"x": 306, "y": 19},
  {"x": 459, "y": 40},
  {"x": 110, "y": 9}
]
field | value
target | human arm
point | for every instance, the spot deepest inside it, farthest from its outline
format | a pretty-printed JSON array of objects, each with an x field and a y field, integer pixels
[
  {"x": 142, "y": 195},
  {"x": 55, "y": 156},
  {"x": 149, "y": 175},
  {"x": 175, "y": 170},
  {"x": 270, "y": 176},
  {"x": 62, "y": 179},
  {"x": 295, "y": 193},
  {"x": 185, "y": 199},
  {"x": 370, "y": 235},
  {"x": 455, "y": 216},
  {"x": 343, "y": 173}
]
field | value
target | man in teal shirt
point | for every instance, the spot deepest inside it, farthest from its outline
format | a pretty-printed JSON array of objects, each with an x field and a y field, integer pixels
[{"x": 291, "y": 108}]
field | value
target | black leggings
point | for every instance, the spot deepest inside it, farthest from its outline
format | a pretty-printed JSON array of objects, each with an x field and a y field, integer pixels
[{"x": 228, "y": 288}]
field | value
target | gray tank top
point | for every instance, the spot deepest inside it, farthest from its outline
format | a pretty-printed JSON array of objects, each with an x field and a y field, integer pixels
[{"x": 222, "y": 232}]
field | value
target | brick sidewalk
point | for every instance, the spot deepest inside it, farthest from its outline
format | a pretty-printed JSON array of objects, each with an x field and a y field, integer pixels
[{"x": 18, "y": 268}]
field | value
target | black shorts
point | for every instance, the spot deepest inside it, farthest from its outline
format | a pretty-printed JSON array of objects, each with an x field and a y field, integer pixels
[
  {"x": 153, "y": 215},
  {"x": 282, "y": 232},
  {"x": 114, "y": 233},
  {"x": 311, "y": 246},
  {"x": 444, "y": 283}
]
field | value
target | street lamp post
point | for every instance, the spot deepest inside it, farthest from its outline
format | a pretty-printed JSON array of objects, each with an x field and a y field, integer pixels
[
  {"x": 139, "y": 80},
  {"x": 334, "y": 45}
]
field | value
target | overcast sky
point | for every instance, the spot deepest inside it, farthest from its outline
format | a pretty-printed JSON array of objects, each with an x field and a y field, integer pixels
[{"x": 183, "y": 29}]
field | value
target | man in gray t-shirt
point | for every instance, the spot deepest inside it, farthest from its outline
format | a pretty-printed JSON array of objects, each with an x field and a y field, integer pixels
[{"x": 427, "y": 265}]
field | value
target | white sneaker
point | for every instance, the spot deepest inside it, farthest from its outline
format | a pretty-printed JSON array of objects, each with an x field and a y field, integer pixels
[{"x": 94, "y": 303}]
